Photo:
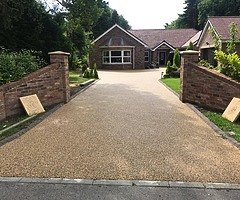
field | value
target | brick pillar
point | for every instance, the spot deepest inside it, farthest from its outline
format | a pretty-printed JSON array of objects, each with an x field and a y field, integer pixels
[
  {"x": 62, "y": 58},
  {"x": 187, "y": 57},
  {"x": 2, "y": 106}
]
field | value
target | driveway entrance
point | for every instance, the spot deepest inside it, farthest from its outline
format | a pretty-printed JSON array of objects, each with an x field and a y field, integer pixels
[{"x": 126, "y": 126}]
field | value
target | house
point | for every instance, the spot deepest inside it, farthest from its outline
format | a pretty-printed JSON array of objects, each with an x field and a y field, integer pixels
[
  {"x": 138, "y": 49},
  {"x": 220, "y": 27}
]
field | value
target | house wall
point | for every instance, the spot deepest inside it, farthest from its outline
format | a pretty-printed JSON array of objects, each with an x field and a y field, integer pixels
[
  {"x": 49, "y": 83},
  {"x": 204, "y": 87},
  {"x": 156, "y": 55},
  {"x": 138, "y": 49},
  {"x": 207, "y": 40}
]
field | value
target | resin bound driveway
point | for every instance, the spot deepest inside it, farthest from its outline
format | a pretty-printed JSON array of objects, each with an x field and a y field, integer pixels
[{"x": 126, "y": 126}]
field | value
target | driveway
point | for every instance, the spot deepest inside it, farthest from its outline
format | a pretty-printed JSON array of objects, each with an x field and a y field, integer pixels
[{"x": 126, "y": 126}]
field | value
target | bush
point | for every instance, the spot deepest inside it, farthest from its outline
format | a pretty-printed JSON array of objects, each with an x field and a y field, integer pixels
[
  {"x": 91, "y": 73},
  {"x": 206, "y": 64},
  {"x": 190, "y": 46},
  {"x": 229, "y": 64},
  {"x": 14, "y": 66},
  {"x": 95, "y": 73},
  {"x": 84, "y": 68},
  {"x": 172, "y": 71},
  {"x": 86, "y": 73}
]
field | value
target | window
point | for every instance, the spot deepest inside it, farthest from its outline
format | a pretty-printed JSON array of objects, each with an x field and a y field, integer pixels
[
  {"x": 146, "y": 56},
  {"x": 115, "y": 57}
]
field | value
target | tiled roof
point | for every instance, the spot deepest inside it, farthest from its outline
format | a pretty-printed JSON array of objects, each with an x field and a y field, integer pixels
[
  {"x": 221, "y": 25},
  {"x": 194, "y": 39},
  {"x": 153, "y": 37}
]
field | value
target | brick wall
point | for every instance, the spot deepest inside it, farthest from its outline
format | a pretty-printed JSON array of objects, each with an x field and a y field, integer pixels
[
  {"x": 204, "y": 87},
  {"x": 49, "y": 83}
]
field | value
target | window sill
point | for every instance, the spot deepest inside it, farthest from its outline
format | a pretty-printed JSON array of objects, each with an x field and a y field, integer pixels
[{"x": 117, "y": 63}]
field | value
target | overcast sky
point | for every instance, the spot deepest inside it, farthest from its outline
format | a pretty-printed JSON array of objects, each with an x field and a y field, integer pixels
[{"x": 144, "y": 14}]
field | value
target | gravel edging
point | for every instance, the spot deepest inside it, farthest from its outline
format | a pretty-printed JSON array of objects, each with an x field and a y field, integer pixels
[
  {"x": 85, "y": 87},
  {"x": 137, "y": 183},
  {"x": 220, "y": 132}
]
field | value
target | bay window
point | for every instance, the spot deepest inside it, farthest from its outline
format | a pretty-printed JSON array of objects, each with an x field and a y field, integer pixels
[{"x": 117, "y": 57}]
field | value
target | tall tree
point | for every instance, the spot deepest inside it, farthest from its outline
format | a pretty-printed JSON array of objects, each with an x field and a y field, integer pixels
[
  {"x": 217, "y": 8},
  {"x": 189, "y": 19},
  {"x": 197, "y": 11}
]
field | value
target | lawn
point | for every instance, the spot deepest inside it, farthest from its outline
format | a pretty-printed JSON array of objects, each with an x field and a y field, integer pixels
[
  {"x": 216, "y": 118},
  {"x": 223, "y": 123},
  {"x": 173, "y": 83},
  {"x": 75, "y": 78}
]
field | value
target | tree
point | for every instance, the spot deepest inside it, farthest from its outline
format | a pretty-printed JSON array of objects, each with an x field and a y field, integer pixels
[
  {"x": 176, "y": 59},
  {"x": 31, "y": 28},
  {"x": 189, "y": 19},
  {"x": 197, "y": 11}
]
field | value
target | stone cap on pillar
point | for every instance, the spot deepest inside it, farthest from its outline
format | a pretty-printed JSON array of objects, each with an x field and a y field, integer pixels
[
  {"x": 59, "y": 53},
  {"x": 59, "y": 57},
  {"x": 189, "y": 52}
]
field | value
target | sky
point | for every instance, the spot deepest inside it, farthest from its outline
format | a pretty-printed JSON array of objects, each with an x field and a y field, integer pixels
[{"x": 148, "y": 14}]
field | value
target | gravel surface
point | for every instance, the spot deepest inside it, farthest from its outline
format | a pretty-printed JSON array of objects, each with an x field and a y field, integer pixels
[{"x": 126, "y": 126}]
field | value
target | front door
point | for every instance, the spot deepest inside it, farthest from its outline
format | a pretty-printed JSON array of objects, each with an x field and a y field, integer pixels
[{"x": 162, "y": 58}]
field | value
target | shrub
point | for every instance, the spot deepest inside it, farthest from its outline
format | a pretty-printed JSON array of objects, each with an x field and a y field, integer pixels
[
  {"x": 14, "y": 66},
  {"x": 176, "y": 59},
  {"x": 84, "y": 67},
  {"x": 206, "y": 64},
  {"x": 229, "y": 64},
  {"x": 86, "y": 74},
  {"x": 91, "y": 73},
  {"x": 190, "y": 46},
  {"x": 95, "y": 73}
]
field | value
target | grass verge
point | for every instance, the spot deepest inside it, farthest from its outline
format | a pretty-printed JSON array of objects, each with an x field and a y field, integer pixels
[
  {"x": 12, "y": 121},
  {"x": 173, "y": 83},
  {"x": 75, "y": 78},
  {"x": 223, "y": 123},
  {"x": 216, "y": 118}
]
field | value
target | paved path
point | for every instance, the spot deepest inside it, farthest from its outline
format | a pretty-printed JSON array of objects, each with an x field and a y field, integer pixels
[
  {"x": 10, "y": 191},
  {"x": 126, "y": 126}
]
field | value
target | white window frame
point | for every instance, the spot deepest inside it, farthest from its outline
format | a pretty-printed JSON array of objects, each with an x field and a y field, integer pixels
[
  {"x": 122, "y": 57},
  {"x": 146, "y": 56}
]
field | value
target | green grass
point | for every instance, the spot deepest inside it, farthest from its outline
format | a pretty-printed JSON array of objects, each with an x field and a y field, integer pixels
[
  {"x": 223, "y": 123},
  {"x": 7, "y": 123},
  {"x": 74, "y": 78},
  {"x": 173, "y": 83}
]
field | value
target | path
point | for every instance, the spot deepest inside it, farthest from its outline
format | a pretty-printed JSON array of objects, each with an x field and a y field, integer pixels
[{"x": 126, "y": 126}]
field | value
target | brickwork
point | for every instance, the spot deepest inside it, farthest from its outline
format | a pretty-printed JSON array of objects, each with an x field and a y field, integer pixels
[
  {"x": 49, "y": 83},
  {"x": 138, "y": 51},
  {"x": 204, "y": 87}
]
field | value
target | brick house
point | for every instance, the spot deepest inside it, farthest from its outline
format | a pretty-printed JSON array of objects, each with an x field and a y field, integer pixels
[
  {"x": 138, "y": 49},
  {"x": 220, "y": 25}
]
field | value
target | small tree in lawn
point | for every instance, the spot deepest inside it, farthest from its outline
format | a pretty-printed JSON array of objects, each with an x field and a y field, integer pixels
[{"x": 176, "y": 59}]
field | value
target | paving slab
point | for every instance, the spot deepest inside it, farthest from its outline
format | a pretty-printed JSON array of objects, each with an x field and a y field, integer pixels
[{"x": 127, "y": 126}]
